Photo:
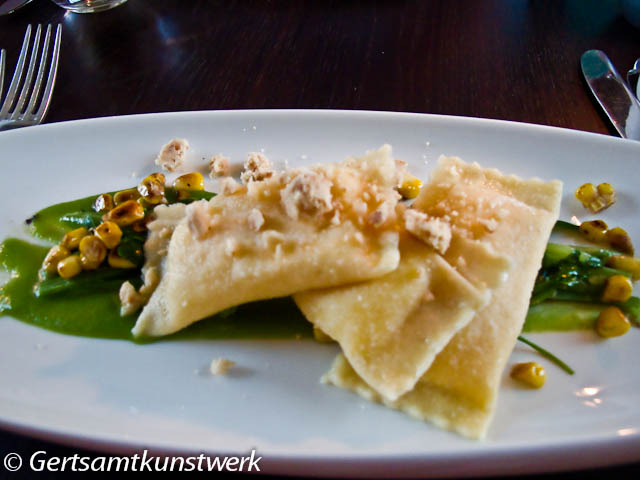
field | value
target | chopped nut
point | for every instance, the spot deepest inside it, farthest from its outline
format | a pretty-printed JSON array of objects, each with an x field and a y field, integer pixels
[
  {"x": 433, "y": 231},
  {"x": 220, "y": 366},
  {"x": 219, "y": 166},
  {"x": 257, "y": 167},
  {"x": 255, "y": 220},
  {"x": 308, "y": 192},
  {"x": 173, "y": 154}
]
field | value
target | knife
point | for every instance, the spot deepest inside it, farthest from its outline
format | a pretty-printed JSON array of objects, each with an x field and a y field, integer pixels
[
  {"x": 10, "y": 6},
  {"x": 613, "y": 94}
]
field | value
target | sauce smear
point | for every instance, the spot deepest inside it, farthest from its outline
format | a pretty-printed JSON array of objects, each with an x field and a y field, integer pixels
[{"x": 98, "y": 314}]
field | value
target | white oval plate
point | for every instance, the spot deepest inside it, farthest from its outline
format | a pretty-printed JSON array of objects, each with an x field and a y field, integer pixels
[{"x": 116, "y": 396}]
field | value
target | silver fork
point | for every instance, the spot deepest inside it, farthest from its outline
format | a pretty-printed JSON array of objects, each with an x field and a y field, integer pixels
[{"x": 13, "y": 113}]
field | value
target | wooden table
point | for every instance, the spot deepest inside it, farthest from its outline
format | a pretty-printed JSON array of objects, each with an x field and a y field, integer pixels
[{"x": 505, "y": 59}]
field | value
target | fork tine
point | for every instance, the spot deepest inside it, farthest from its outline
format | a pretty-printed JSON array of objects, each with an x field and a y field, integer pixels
[
  {"x": 17, "y": 74},
  {"x": 26, "y": 86},
  {"x": 2, "y": 56},
  {"x": 40, "y": 76},
  {"x": 46, "y": 96}
]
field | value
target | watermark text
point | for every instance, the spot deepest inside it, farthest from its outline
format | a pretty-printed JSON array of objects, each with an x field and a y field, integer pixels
[{"x": 40, "y": 461}]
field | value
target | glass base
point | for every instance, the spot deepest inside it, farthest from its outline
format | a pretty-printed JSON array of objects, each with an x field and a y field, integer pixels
[{"x": 88, "y": 6}]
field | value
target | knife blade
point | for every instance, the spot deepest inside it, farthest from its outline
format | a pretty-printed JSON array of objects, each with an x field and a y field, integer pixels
[
  {"x": 10, "y": 6},
  {"x": 612, "y": 93}
]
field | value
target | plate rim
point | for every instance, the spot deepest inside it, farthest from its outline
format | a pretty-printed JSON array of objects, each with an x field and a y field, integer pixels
[{"x": 283, "y": 463}]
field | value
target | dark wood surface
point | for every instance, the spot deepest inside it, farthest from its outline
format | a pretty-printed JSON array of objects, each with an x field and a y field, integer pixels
[{"x": 506, "y": 59}]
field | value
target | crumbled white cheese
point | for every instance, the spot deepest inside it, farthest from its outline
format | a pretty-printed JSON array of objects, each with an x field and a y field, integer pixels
[
  {"x": 219, "y": 166},
  {"x": 172, "y": 154},
  {"x": 402, "y": 169},
  {"x": 257, "y": 167},
  {"x": 255, "y": 220},
  {"x": 228, "y": 186},
  {"x": 130, "y": 299},
  {"x": 433, "y": 231},
  {"x": 199, "y": 219},
  {"x": 360, "y": 207},
  {"x": 309, "y": 192},
  {"x": 220, "y": 366}
]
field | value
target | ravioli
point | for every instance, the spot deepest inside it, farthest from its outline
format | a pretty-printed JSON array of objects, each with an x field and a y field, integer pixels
[
  {"x": 302, "y": 229},
  {"x": 392, "y": 327},
  {"x": 514, "y": 217}
]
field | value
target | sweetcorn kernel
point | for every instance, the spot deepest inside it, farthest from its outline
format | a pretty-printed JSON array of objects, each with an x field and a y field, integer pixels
[
  {"x": 612, "y": 323},
  {"x": 410, "y": 187},
  {"x": 529, "y": 373},
  {"x": 597, "y": 198}
]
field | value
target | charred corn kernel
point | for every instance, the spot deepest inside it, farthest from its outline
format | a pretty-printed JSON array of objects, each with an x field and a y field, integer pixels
[
  {"x": 125, "y": 214},
  {"x": 56, "y": 254},
  {"x": 596, "y": 198},
  {"x": 183, "y": 195},
  {"x": 594, "y": 230},
  {"x": 189, "y": 181},
  {"x": 109, "y": 233},
  {"x": 410, "y": 187},
  {"x": 617, "y": 288},
  {"x": 126, "y": 195},
  {"x": 71, "y": 239},
  {"x": 116, "y": 261},
  {"x": 103, "y": 203},
  {"x": 145, "y": 203},
  {"x": 140, "y": 226},
  {"x": 612, "y": 323},
  {"x": 158, "y": 177},
  {"x": 152, "y": 188},
  {"x": 70, "y": 266},
  {"x": 627, "y": 264},
  {"x": 92, "y": 252},
  {"x": 619, "y": 240},
  {"x": 529, "y": 373}
]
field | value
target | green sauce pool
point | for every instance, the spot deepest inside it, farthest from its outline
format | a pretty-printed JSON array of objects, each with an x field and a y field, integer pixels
[{"x": 98, "y": 314}]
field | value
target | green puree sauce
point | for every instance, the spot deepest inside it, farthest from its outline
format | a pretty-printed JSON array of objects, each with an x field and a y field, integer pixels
[{"x": 97, "y": 314}]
